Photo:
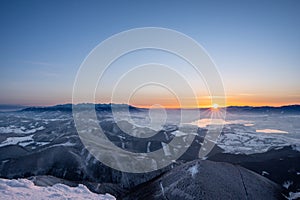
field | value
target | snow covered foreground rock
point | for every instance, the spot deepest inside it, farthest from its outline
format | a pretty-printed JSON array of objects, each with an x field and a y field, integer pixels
[
  {"x": 24, "y": 189},
  {"x": 208, "y": 180}
]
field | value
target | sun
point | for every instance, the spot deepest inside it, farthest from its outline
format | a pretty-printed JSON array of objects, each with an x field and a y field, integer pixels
[{"x": 215, "y": 106}]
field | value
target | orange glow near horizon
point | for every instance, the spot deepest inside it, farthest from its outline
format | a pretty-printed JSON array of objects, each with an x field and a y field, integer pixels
[
  {"x": 275, "y": 102},
  {"x": 147, "y": 96},
  {"x": 177, "y": 106},
  {"x": 171, "y": 102}
]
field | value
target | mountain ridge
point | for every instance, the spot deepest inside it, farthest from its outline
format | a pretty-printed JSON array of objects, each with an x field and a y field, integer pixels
[{"x": 107, "y": 107}]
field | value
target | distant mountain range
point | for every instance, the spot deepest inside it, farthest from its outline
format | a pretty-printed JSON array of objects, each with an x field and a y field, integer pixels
[
  {"x": 265, "y": 109},
  {"x": 98, "y": 107},
  {"x": 11, "y": 107},
  {"x": 107, "y": 107}
]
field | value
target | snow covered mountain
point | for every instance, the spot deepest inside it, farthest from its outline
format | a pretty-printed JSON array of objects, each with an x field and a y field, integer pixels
[
  {"x": 25, "y": 189},
  {"x": 37, "y": 142}
]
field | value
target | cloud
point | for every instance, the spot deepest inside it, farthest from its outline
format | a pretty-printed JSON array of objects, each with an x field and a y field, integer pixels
[{"x": 45, "y": 68}]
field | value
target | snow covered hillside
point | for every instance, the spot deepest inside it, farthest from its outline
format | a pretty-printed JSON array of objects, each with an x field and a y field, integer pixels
[{"x": 26, "y": 190}]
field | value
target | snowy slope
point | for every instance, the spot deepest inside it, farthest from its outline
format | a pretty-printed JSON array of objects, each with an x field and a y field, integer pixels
[{"x": 26, "y": 190}]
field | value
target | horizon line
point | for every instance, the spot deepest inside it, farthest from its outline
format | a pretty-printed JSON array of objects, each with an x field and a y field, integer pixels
[{"x": 147, "y": 107}]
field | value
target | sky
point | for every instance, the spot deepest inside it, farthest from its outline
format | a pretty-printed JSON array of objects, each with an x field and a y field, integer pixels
[{"x": 254, "y": 44}]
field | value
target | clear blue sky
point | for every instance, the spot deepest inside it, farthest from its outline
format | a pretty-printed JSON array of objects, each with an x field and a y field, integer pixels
[{"x": 255, "y": 44}]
